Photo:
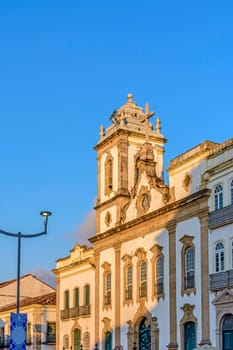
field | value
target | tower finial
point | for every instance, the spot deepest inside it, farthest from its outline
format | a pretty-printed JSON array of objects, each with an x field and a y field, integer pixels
[
  {"x": 102, "y": 131},
  {"x": 145, "y": 118},
  {"x": 158, "y": 125},
  {"x": 130, "y": 97},
  {"x": 146, "y": 152}
]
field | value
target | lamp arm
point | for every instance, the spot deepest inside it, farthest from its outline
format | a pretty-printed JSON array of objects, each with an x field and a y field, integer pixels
[
  {"x": 34, "y": 235},
  {"x": 23, "y": 235},
  {"x": 9, "y": 233}
]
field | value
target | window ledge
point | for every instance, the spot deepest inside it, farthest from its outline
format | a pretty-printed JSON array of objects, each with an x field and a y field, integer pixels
[{"x": 189, "y": 291}]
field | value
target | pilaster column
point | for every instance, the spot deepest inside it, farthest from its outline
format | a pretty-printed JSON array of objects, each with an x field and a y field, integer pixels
[
  {"x": 98, "y": 194},
  {"x": 130, "y": 335},
  {"x": 123, "y": 165},
  {"x": 117, "y": 248},
  {"x": 97, "y": 295},
  {"x": 154, "y": 334},
  {"x": 171, "y": 227},
  {"x": 58, "y": 319},
  {"x": 204, "y": 241},
  {"x": 99, "y": 179}
]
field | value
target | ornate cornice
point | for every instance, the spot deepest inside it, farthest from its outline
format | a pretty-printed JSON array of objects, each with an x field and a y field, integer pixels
[{"x": 174, "y": 206}]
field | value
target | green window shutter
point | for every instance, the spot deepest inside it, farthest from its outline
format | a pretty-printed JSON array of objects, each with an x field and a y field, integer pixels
[
  {"x": 67, "y": 300},
  {"x": 76, "y": 297},
  {"x": 87, "y": 295}
]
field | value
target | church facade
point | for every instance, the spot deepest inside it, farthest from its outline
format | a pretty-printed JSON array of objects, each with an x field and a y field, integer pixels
[{"x": 160, "y": 268}]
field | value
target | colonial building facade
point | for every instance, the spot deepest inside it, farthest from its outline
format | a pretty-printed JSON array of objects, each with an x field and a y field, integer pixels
[
  {"x": 38, "y": 301},
  {"x": 157, "y": 245},
  {"x": 75, "y": 277}
]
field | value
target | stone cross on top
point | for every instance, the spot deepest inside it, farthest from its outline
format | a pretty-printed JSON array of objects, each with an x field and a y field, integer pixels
[{"x": 146, "y": 118}]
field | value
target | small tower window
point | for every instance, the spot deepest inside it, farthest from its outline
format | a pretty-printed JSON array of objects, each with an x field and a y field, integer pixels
[{"x": 108, "y": 175}]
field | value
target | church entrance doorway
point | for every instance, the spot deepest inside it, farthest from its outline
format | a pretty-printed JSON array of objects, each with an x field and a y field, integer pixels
[
  {"x": 145, "y": 335},
  {"x": 108, "y": 341},
  {"x": 189, "y": 336},
  {"x": 227, "y": 332}
]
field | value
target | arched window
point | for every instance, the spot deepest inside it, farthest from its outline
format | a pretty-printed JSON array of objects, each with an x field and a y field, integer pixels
[
  {"x": 108, "y": 288},
  {"x": 67, "y": 300},
  {"x": 218, "y": 197},
  {"x": 86, "y": 340},
  {"x": 157, "y": 263},
  {"x": 107, "y": 284},
  {"x": 159, "y": 276},
  {"x": 227, "y": 332},
  {"x": 232, "y": 253},
  {"x": 231, "y": 192},
  {"x": 87, "y": 294},
  {"x": 189, "y": 268},
  {"x": 143, "y": 279},
  {"x": 219, "y": 257},
  {"x": 136, "y": 170},
  {"x": 108, "y": 174},
  {"x": 188, "y": 265},
  {"x": 129, "y": 282},
  {"x": 66, "y": 341}
]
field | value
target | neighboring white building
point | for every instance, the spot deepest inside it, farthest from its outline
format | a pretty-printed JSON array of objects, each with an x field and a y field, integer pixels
[
  {"x": 150, "y": 261},
  {"x": 38, "y": 301},
  {"x": 218, "y": 176}
]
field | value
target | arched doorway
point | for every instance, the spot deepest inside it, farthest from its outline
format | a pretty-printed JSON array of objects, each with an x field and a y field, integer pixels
[
  {"x": 108, "y": 341},
  {"x": 189, "y": 336},
  {"x": 77, "y": 339},
  {"x": 145, "y": 334},
  {"x": 227, "y": 332}
]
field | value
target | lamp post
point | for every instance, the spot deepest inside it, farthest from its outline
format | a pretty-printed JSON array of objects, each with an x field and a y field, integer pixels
[{"x": 19, "y": 235}]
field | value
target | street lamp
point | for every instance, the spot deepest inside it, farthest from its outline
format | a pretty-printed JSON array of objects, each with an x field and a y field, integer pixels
[{"x": 19, "y": 235}]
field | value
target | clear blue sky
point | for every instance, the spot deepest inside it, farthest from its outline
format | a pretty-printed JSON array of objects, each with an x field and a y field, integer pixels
[{"x": 65, "y": 65}]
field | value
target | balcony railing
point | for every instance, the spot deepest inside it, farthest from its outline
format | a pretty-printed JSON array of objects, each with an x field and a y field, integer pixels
[
  {"x": 65, "y": 314},
  {"x": 84, "y": 310},
  {"x": 220, "y": 280},
  {"x": 221, "y": 217},
  {"x": 74, "y": 312}
]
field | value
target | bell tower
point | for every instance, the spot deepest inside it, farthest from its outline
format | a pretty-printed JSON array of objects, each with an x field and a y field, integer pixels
[{"x": 129, "y": 139}]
